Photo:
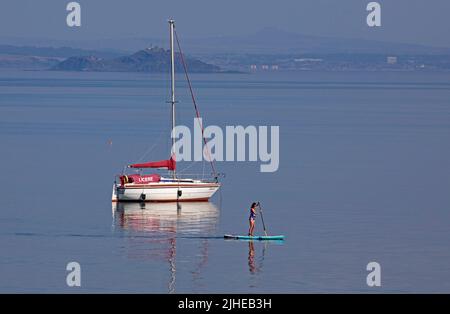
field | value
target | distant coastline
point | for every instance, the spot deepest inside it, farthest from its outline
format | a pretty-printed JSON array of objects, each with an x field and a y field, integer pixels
[{"x": 267, "y": 51}]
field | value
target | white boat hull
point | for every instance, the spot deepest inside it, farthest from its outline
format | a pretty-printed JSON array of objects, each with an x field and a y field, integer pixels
[{"x": 164, "y": 192}]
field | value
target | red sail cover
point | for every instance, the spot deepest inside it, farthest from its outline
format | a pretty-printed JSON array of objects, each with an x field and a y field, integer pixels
[{"x": 170, "y": 164}]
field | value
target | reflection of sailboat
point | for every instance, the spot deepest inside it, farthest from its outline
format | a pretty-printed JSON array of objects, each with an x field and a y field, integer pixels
[
  {"x": 167, "y": 218},
  {"x": 163, "y": 222}
]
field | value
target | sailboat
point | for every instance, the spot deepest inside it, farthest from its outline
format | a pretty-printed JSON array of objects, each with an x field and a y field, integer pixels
[{"x": 138, "y": 187}]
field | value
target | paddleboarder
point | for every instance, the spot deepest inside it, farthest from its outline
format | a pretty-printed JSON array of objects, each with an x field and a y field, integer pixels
[{"x": 252, "y": 219}]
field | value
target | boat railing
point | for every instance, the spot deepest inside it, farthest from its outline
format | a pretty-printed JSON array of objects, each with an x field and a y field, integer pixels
[{"x": 196, "y": 176}]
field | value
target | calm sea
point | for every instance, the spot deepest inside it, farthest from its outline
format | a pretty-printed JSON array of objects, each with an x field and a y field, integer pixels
[{"x": 364, "y": 176}]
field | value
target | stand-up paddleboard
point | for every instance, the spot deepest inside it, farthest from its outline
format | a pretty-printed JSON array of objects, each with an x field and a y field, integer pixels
[
  {"x": 265, "y": 237},
  {"x": 261, "y": 238}
]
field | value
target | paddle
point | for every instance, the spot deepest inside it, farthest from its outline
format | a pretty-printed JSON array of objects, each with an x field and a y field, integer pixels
[{"x": 262, "y": 218}]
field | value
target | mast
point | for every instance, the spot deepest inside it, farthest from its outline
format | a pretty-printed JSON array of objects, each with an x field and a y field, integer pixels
[{"x": 172, "y": 76}]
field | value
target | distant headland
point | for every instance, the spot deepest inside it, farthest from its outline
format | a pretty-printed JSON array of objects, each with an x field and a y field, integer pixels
[{"x": 152, "y": 59}]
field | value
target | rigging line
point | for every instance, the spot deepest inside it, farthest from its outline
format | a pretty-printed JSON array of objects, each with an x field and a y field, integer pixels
[
  {"x": 187, "y": 167},
  {"x": 203, "y": 169},
  {"x": 150, "y": 149},
  {"x": 197, "y": 112}
]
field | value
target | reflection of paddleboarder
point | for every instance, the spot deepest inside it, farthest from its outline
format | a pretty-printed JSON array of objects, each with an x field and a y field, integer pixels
[
  {"x": 251, "y": 258},
  {"x": 252, "y": 218}
]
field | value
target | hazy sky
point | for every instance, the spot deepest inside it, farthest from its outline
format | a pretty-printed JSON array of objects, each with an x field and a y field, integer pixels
[{"x": 411, "y": 21}]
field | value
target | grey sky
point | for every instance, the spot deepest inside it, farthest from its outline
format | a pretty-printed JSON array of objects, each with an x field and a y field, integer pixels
[{"x": 410, "y": 21}]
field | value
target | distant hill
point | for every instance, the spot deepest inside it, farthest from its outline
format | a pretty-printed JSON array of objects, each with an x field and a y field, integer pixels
[
  {"x": 148, "y": 60},
  {"x": 275, "y": 41},
  {"x": 268, "y": 40},
  {"x": 27, "y": 62},
  {"x": 60, "y": 52},
  {"x": 42, "y": 58}
]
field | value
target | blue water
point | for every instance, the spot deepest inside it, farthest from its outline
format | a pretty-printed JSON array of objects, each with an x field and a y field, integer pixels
[{"x": 364, "y": 176}]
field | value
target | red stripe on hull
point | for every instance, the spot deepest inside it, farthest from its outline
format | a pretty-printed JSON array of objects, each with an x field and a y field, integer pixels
[{"x": 205, "y": 199}]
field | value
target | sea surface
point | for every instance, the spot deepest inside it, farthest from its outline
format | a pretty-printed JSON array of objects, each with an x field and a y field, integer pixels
[{"x": 364, "y": 176}]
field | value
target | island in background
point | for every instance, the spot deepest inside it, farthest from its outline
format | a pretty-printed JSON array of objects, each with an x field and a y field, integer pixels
[{"x": 152, "y": 59}]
